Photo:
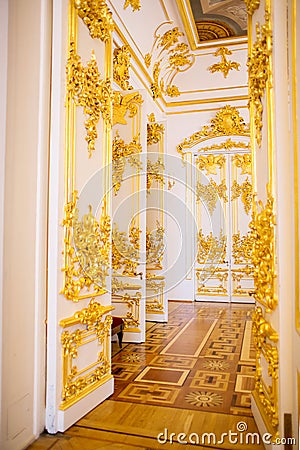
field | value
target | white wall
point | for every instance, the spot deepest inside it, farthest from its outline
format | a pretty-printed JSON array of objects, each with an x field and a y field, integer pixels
[{"x": 25, "y": 219}]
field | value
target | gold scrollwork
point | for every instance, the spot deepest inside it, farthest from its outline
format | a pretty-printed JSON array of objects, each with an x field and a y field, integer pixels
[
  {"x": 226, "y": 122},
  {"x": 87, "y": 246},
  {"x": 132, "y": 316},
  {"x": 155, "y": 246},
  {"x": 242, "y": 247},
  {"x": 155, "y": 131},
  {"x": 243, "y": 162},
  {"x": 97, "y": 17},
  {"x": 245, "y": 191},
  {"x": 87, "y": 89},
  {"x": 126, "y": 250},
  {"x": 225, "y": 65},
  {"x": 119, "y": 286},
  {"x": 78, "y": 383},
  {"x": 171, "y": 57},
  {"x": 211, "y": 248},
  {"x": 259, "y": 69},
  {"x": 210, "y": 163},
  {"x": 123, "y": 104},
  {"x": 262, "y": 229},
  {"x": 121, "y": 154},
  {"x": 121, "y": 65},
  {"x": 252, "y": 5},
  {"x": 135, "y": 4},
  {"x": 212, "y": 273},
  {"x": 211, "y": 193},
  {"x": 155, "y": 173}
]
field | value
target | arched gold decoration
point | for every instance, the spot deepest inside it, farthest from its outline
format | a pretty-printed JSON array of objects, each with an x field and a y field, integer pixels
[
  {"x": 211, "y": 29},
  {"x": 226, "y": 122},
  {"x": 121, "y": 65}
]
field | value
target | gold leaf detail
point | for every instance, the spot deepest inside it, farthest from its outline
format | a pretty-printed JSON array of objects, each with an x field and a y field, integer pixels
[
  {"x": 135, "y": 4},
  {"x": 245, "y": 190},
  {"x": 123, "y": 104},
  {"x": 121, "y": 65},
  {"x": 210, "y": 163},
  {"x": 211, "y": 193},
  {"x": 243, "y": 162},
  {"x": 252, "y": 5},
  {"x": 155, "y": 131},
  {"x": 211, "y": 248},
  {"x": 126, "y": 250},
  {"x": 225, "y": 65},
  {"x": 155, "y": 172},
  {"x": 155, "y": 246},
  {"x": 97, "y": 17},
  {"x": 121, "y": 154}
]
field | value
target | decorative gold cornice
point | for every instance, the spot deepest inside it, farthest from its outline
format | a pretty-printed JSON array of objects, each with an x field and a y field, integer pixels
[
  {"x": 121, "y": 66},
  {"x": 226, "y": 122},
  {"x": 123, "y": 104},
  {"x": 225, "y": 65},
  {"x": 259, "y": 69},
  {"x": 167, "y": 58},
  {"x": 252, "y": 5},
  {"x": 86, "y": 88},
  {"x": 155, "y": 131},
  {"x": 135, "y": 4},
  {"x": 97, "y": 17}
]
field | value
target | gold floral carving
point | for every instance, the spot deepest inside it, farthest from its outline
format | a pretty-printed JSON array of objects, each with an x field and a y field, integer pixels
[
  {"x": 263, "y": 254},
  {"x": 79, "y": 382},
  {"x": 97, "y": 17},
  {"x": 211, "y": 248},
  {"x": 242, "y": 247},
  {"x": 245, "y": 191},
  {"x": 123, "y": 104},
  {"x": 119, "y": 286},
  {"x": 135, "y": 4},
  {"x": 155, "y": 172},
  {"x": 252, "y": 5},
  {"x": 259, "y": 70},
  {"x": 225, "y": 65},
  {"x": 155, "y": 246},
  {"x": 237, "y": 275},
  {"x": 121, "y": 65},
  {"x": 226, "y": 122},
  {"x": 155, "y": 131},
  {"x": 212, "y": 273},
  {"x": 87, "y": 246},
  {"x": 264, "y": 339},
  {"x": 170, "y": 57},
  {"x": 121, "y": 154},
  {"x": 87, "y": 89},
  {"x": 229, "y": 144},
  {"x": 132, "y": 316},
  {"x": 211, "y": 193},
  {"x": 243, "y": 162},
  {"x": 126, "y": 250},
  {"x": 210, "y": 163}
]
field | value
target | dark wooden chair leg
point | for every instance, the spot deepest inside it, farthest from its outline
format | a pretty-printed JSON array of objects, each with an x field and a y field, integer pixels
[{"x": 120, "y": 338}]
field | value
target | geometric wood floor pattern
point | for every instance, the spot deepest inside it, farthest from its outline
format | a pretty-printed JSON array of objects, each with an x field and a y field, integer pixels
[
  {"x": 193, "y": 375},
  {"x": 202, "y": 359}
]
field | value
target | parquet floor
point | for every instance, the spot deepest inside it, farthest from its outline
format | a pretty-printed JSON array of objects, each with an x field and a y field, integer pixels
[{"x": 193, "y": 375}]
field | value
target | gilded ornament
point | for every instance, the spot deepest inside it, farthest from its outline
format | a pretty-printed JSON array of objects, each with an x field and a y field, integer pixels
[
  {"x": 123, "y": 104},
  {"x": 97, "y": 17},
  {"x": 211, "y": 248},
  {"x": 210, "y": 163},
  {"x": 154, "y": 305},
  {"x": 243, "y": 162},
  {"x": 211, "y": 193},
  {"x": 87, "y": 247},
  {"x": 126, "y": 250},
  {"x": 242, "y": 247},
  {"x": 132, "y": 303},
  {"x": 263, "y": 253},
  {"x": 121, "y": 66},
  {"x": 245, "y": 191},
  {"x": 225, "y": 65},
  {"x": 135, "y": 4},
  {"x": 252, "y": 5},
  {"x": 167, "y": 58},
  {"x": 121, "y": 155},
  {"x": 87, "y": 89},
  {"x": 155, "y": 131},
  {"x": 238, "y": 275},
  {"x": 119, "y": 286},
  {"x": 155, "y": 172},
  {"x": 229, "y": 144},
  {"x": 226, "y": 122},
  {"x": 155, "y": 246},
  {"x": 259, "y": 70}
]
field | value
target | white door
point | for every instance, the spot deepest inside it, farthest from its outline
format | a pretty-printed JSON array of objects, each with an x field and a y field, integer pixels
[
  {"x": 79, "y": 306},
  {"x": 129, "y": 218},
  {"x": 156, "y": 264},
  {"x": 223, "y": 188}
]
